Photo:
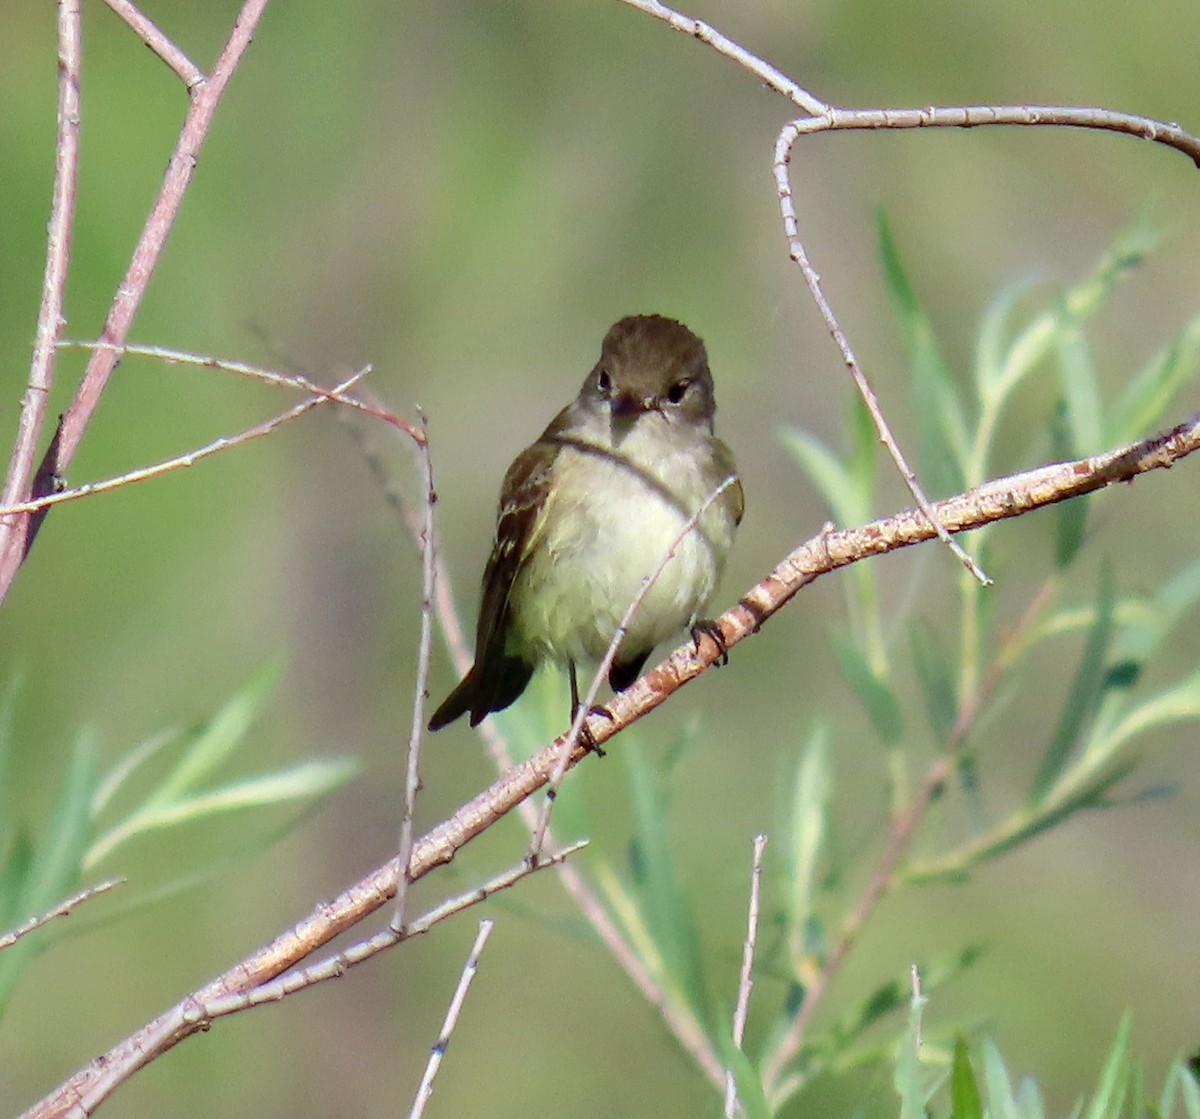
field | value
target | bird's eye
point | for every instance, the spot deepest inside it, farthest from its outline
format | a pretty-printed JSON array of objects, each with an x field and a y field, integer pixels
[
  {"x": 604, "y": 382},
  {"x": 676, "y": 392}
]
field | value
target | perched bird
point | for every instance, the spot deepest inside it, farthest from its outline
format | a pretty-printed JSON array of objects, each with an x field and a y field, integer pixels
[{"x": 590, "y": 510}]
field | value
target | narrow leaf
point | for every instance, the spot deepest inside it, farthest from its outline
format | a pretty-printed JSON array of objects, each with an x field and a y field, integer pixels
[
  {"x": 808, "y": 820},
  {"x": 1081, "y": 391},
  {"x": 660, "y": 895},
  {"x": 1144, "y": 402},
  {"x": 1070, "y": 517},
  {"x": 936, "y": 679},
  {"x": 1082, "y": 698},
  {"x": 941, "y": 441},
  {"x": 1114, "y": 1080},
  {"x": 964, "y": 1092},
  {"x": 217, "y": 741},
  {"x": 877, "y": 698},
  {"x": 848, "y": 503}
]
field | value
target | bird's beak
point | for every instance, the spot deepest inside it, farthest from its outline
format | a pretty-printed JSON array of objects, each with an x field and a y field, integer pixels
[{"x": 629, "y": 407}]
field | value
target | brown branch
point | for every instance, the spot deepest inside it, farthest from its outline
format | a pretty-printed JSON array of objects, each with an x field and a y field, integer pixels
[
  {"x": 14, "y": 530},
  {"x": 16, "y": 535},
  {"x": 62, "y": 909},
  {"x": 185, "y": 69},
  {"x": 997, "y": 500}
]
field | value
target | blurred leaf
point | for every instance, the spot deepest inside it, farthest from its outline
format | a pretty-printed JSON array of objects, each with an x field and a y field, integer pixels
[
  {"x": 992, "y": 349},
  {"x": 1144, "y": 634},
  {"x": 877, "y": 698},
  {"x": 661, "y": 898},
  {"x": 127, "y": 766},
  {"x": 1182, "y": 1082},
  {"x": 51, "y": 869},
  {"x": 751, "y": 1099},
  {"x": 943, "y": 425},
  {"x": 1081, "y": 391},
  {"x": 1070, "y": 517},
  {"x": 1081, "y": 700},
  {"x": 806, "y": 826},
  {"x": 1000, "y": 1101},
  {"x": 964, "y": 1092},
  {"x": 842, "y": 491},
  {"x": 1175, "y": 704},
  {"x": 862, "y": 456},
  {"x": 1114, "y": 1080},
  {"x": 223, "y": 734},
  {"x": 305, "y": 781},
  {"x": 999, "y": 376},
  {"x": 936, "y": 679},
  {"x": 908, "y": 1080},
  {"x": 1144, "y": 402}
]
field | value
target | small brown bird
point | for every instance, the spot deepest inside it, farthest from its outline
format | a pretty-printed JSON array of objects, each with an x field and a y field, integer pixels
[{"x": 589, "y": 511}]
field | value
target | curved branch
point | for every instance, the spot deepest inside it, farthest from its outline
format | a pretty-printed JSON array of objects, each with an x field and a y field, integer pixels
[{"x": 831, "y": 549}]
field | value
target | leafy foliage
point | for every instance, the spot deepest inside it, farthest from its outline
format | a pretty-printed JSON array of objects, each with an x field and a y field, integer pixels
[{"x": 37, "y": 871}]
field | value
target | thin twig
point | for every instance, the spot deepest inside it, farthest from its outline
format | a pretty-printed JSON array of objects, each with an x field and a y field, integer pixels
[
  {"x": 186, "y": 70},
  {"x": 460, "y": 994},
  {"x": 783, "y": 155},
  {"x": 16, "y": 535},
  {"x": 602, "y": 670},
  {"x": 14, "y": 530},
  {"x": 827, "y": 552},
  {"x": 180, "y": 462},
  {"x": 294, "y": 381},
  {"x": 62, "y": 909},
  {"x": 821, "y": 117},
  {"x": 745, "y": 982},
  {"x": 412, "y": 783}
]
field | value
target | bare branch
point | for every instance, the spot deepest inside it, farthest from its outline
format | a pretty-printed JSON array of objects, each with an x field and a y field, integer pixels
[
  {"x": 180, "y": 462},
  {"x": 14, "y": 530},
  {"x": 833, "y": 549},
  {"x": 460, "y": 994},
  {"x": 186, "y": 70},
  {"x": 412, "y": 783},
  {"x": 745, "y": 983},
  {"x": 61, "y": 910},
  {"x": 17, "y": 534}
]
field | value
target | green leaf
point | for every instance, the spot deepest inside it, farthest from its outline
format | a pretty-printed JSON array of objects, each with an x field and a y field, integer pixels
[
  {"x": 1082, "y": 698},
  {"x": 839, "y": 487},
  {"x": 52, "y": 869},
  {"x": 1000, "y": 1101},
  {"x": 1144, "y": 402},
  {"x": 661, "y": 899},
  {"x": 1114, "y": 1080},
  {"x": 942, "y": 438},
  {"x": 747, "y": 1083},
  {"x": 1182, "y": 1082},
  {"x": 877, "y": 698},
  {"x": 1070, "y": 517},
  {"x": 907, "y": 1077},
  {"x": 305, "y": 781},
  {"x": 964, "y": 1092},
  {"x": 1081, "y": 392},
  {"x": 936, "y": 679},
  {"x": 224, "y": 733},
  {"x": 808, "y": 819},
  {"x": 992, "y": 349}
]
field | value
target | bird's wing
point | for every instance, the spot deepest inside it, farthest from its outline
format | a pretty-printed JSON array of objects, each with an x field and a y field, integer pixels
[{"x": 518, "y": 525}]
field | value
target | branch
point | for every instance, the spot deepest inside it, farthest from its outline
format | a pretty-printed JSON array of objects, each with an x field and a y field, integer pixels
[
  {"x": 832, "y": 549},
  {"x": 17, "y": 533},
  {"x": 14, "y": 530}
]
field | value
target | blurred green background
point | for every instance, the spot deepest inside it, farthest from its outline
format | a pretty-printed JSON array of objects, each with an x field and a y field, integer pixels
[{"x": 466, "y": 194}]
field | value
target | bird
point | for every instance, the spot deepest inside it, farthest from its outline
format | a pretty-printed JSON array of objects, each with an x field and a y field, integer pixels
[{"x": 589, "y": 511}]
